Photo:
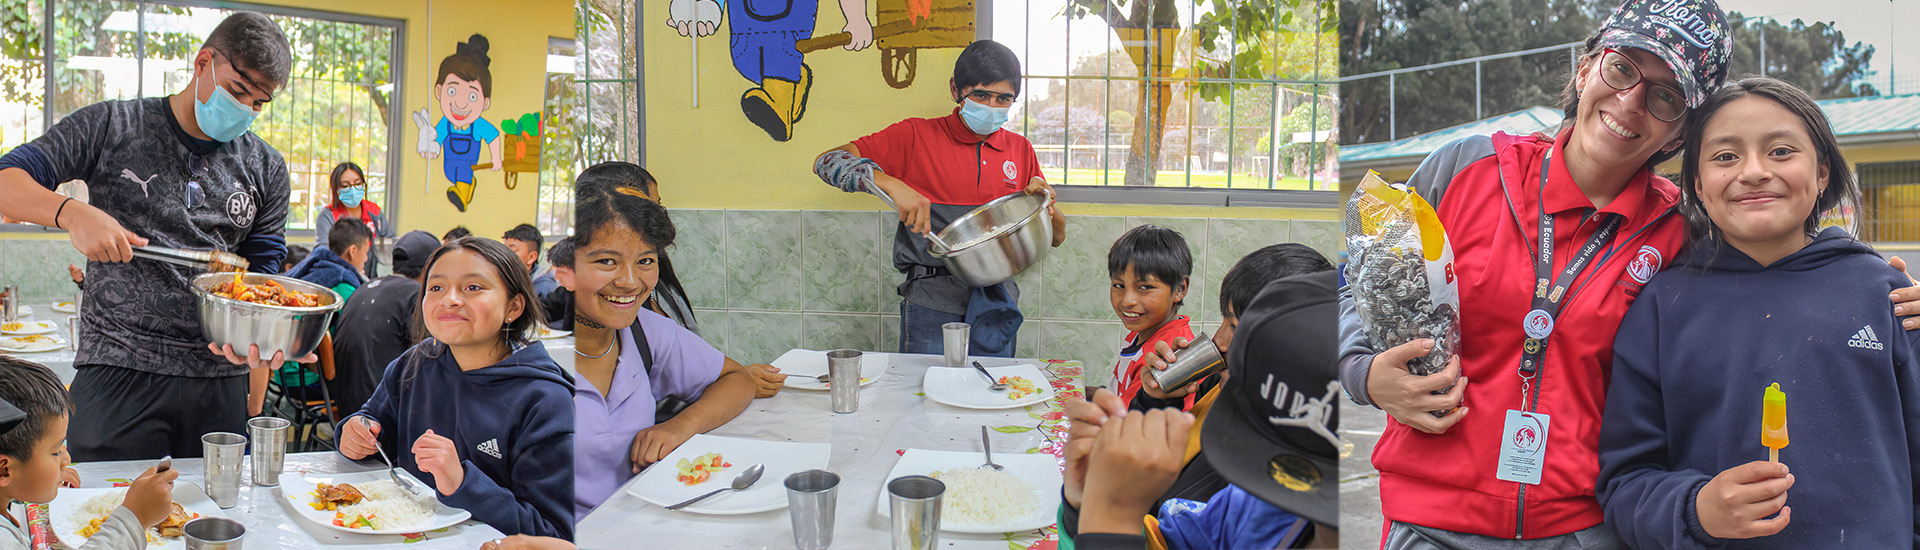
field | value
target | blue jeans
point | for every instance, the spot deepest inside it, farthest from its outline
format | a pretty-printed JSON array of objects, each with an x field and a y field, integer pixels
[{"x": 921, "y": 332}]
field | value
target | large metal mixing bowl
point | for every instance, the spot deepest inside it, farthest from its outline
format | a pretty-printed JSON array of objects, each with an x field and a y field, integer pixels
[
  {"x": 296, "y": 331},
  {"x": 998, "y": 240}
]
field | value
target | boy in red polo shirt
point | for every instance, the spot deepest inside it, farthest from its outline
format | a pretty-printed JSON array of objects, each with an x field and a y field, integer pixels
[{"x": 936, "y": 170}]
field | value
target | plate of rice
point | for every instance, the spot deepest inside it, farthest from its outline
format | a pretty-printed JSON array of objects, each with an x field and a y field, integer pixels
[
  {"x": 76, "y": 514},
  {"x": 664, "y": 484},
  {"x": 32, "y": 343},
  {"x": 965, "y": 388},
  {"x": 381, "y": 508},
  {"x": 803, "y": 368},
  {"x": 1019, "y": 498}
]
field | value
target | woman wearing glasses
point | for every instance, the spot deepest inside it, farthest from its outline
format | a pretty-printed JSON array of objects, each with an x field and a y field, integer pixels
[
  {"x": 1514, "y": 463},
  {"x": 349, "y": 186},
  {"x": 936, "y": 170}
]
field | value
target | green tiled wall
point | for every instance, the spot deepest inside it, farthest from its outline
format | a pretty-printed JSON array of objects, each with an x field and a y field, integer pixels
[
  {"x": 763, "y": 282},
  {"x": 39, "y": 268}
]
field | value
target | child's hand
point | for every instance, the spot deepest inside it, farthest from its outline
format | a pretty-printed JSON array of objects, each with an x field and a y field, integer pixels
[
  {"x": 655, "y": 443},
  {"x": 69, "y": 478},
  {"x": 1163, "y": 357},
  {"x": 150, "y": 497},
  {"x": 1735, "y": 504},
  {"x": 1407, "y": 397},
  {"x": 1135, "y": 459},
  {"x": 1087, "y": 417},
  {"x": 767, "y": 380},
  {"x": 437, "y": 456},
  {"x": 360, "y": 438}
]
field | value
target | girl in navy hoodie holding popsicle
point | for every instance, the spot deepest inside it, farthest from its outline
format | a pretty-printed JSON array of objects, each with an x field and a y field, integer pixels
[
  {"x": 1764, "y": 296},
  {"x": 478, "y": 411}
]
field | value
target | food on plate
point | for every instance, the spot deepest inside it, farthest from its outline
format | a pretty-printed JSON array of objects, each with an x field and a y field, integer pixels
[
  {"x": 15, "y": 326},
  {"x": 268, "y": 293},
  {"x": 332, "y": 497},
  {"x": 28, "y": 341},
  {"x": 1021, "y": 387},
  {"x": 374, "y": 506},
  {"x": 700, "y": 469},
  {"x": 979, "y": 496},
  {"x": 97, "y": 509}
]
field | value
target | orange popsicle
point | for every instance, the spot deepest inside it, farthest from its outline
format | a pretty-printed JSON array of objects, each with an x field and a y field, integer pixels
[{"x": 1773, "y": 422}]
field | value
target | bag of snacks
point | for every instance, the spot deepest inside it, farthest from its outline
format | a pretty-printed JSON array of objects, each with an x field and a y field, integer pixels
[{"x": 1400, "y": 270}]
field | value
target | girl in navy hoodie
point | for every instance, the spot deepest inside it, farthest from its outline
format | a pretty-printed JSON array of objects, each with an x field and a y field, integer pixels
[
  {"x": 1763, "y": 296},
  {"x": 478, "y": 411}
]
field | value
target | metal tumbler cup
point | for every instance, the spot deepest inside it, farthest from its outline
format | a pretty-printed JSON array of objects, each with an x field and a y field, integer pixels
[
  {"x": 1199, "y": 359},
  {"x": 914, "y": 502},
  {"x": 843, "y": 375},
  {"x": 224, "y": 454},
  {"x": 810, "y": 499},
  {"x": 214, "y": 534},
  {"x": 269, "y": 436},
  {"x": 956, "y": 339}
]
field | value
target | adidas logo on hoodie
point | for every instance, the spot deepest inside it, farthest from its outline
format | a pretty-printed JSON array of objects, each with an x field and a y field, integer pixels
[
  {"x": 492, "y": 446},
  {"x": 1865, "y": 339}
]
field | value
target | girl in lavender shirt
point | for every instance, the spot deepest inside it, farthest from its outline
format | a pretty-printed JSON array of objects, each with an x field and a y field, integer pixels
[{"x": 629, "y": 357}]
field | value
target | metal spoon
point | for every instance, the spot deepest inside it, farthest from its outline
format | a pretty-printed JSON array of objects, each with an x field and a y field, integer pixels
[
  {"x": 994, "y": 385},
  {"x": 746, "y": 479},
  {"x": 988, "y": 447},
  {"x": 407, "y": 483}
]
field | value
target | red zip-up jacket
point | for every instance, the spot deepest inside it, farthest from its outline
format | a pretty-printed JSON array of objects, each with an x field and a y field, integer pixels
[{"x": 1447, "y": 481}]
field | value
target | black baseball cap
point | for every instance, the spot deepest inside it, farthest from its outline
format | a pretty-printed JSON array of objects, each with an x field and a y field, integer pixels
[
  {"x": 1274, "y": 429},
  {"x": 413, "y": 249}
]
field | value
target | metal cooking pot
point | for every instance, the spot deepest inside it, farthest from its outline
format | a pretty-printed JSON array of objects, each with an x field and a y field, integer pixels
[
  {"x": 296, "y": 331},
  {"x": 994, "y": 242}
]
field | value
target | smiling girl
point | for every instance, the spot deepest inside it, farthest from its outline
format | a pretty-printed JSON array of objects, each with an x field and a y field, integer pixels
[
  {"x": 632, "y": 358},
  {"x": 477, "y": 411},
  {"x": 1679, "y": 452}
]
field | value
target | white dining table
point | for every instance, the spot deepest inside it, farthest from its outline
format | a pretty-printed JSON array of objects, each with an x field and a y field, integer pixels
[
  {"x": 270, "y": 519},
  {"x": 893, "y": 416}
]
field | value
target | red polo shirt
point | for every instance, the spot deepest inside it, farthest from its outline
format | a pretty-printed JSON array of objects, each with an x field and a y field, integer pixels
[
  {"x": 1448, "y": 481},
  {"x": 949, "y": 164}
]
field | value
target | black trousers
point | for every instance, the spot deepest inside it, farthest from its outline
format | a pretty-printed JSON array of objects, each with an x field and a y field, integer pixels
[{"x": 124, "y": 414}]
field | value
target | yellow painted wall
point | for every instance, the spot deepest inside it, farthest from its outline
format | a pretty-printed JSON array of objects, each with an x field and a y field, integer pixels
[
  {"x": 710, "y": 156},
  {"x": 517, "y": 31}
]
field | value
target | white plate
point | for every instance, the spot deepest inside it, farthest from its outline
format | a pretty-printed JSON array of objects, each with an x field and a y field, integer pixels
[
  {"x": 295, "y": 486},
  {"x": 545, "y": 333},
  {"x": 66, "y": 307},
  {"x": 32, "y": 327},
  {"x": 804, "y": 367},
  {"x": 18, "y": 344},
  {"x": 965, "y": 388},
  {"x": 67, "y": 519},
  {"x": 1042, "y": 471},
  {"x": 781, "y": 459}
]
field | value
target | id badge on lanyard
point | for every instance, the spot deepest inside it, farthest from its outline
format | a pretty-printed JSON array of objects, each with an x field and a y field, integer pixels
[{"x": 1524, "y": 439}]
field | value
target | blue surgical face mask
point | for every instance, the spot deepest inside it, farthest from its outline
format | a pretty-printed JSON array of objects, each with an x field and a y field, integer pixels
[
  {"x": 982, "y": 119},
  {"x": 223, "y": 117},
  {"x": 351, "y": 196}
]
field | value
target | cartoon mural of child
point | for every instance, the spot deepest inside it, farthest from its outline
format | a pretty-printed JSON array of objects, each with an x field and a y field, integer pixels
[
  {"x": 463, "y": 90},
  {"x": 763, "y": 47}
]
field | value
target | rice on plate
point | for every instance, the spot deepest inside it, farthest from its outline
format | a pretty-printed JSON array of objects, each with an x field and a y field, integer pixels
[
  {"x": 984, "y": 497},
  {"x": 386, "y": 505}
]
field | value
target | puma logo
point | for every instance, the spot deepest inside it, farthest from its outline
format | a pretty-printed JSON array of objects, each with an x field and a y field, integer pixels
[{"x": 136, "y": 179}]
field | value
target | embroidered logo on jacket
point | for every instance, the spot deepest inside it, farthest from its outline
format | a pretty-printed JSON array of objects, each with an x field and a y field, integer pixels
[
  {"x": 491, "y": 447},
  {"x": 1865, "y": 339}
]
